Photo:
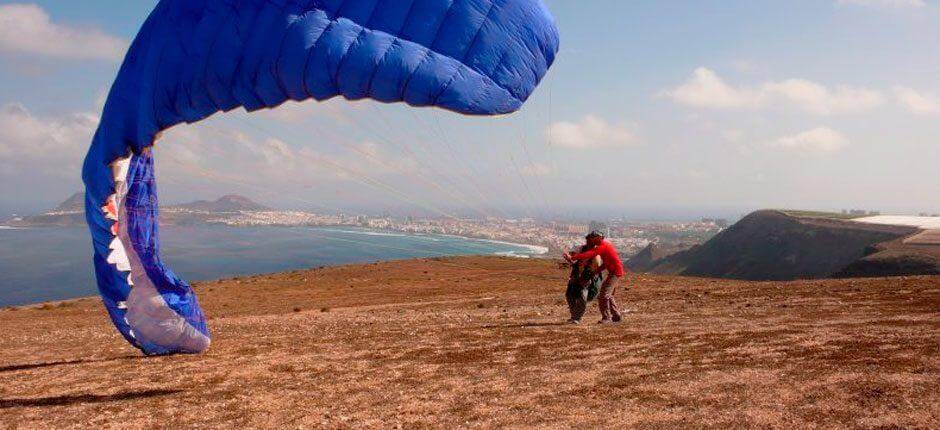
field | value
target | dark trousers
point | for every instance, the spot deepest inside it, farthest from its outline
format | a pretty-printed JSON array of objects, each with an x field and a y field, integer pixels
[
  {"x": 606, "y": 301},
  {"x": 577, "y": 297}
]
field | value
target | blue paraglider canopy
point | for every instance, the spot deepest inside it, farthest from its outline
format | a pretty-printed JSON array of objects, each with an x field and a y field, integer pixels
[{"x": 194, "y": 58}]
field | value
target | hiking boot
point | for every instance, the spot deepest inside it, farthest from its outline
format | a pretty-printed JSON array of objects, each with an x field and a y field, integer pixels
[
  {"x": 617, "y": 318},
  {"x": 605, "y": 321},
  {"x": 574, "y": 322}
]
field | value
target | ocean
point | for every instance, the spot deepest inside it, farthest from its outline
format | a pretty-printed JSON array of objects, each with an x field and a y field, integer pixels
[{"x": 45, "y": 264}]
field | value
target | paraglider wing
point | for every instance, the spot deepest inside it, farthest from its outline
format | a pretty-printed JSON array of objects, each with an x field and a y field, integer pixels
[{"x": 194, "y": 58}]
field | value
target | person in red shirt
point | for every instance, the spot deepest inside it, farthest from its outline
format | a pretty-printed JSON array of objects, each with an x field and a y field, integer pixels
[{"x": 615, "y": 273}]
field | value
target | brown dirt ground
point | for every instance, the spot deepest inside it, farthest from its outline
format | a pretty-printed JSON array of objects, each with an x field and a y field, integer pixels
[
  {"x": 476, "y": 342},
  {"x": 926, "y": 237}
]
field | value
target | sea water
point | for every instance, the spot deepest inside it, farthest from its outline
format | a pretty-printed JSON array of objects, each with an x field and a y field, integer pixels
[{"x": 43, "y": 264}]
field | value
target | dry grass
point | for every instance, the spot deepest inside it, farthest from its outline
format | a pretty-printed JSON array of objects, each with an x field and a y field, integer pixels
[{"x": 475, "y": 342}]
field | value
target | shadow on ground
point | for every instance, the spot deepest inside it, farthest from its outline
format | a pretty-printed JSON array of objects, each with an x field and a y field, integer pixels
[
  {"x": 525, "y": 325},
  {"x": 31, "y": 366},
  {"x": 83, "y": 398}
]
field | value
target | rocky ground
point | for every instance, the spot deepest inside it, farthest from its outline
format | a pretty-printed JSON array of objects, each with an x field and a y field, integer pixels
[{"x": 478, "y": 342}]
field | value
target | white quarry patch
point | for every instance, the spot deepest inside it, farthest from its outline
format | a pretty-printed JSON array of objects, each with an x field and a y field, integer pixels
[{"x": 924, "y": 222}]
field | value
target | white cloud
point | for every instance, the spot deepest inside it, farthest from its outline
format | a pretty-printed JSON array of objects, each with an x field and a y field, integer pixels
[
  {"x": 101, "y": 97},
  {"x": 337, "y": 109},
  {"x": 705, "y": 89},
  {"x": 382, "y": 159},
  {"x": 733, "y": 135},
  {"x": 885, "y": 3},
  {"x": 818, "y": 99},
  {"x": 226, "y": 153},
  {"x": 43, "y": 153},
  {"x": 274, "y": 152},
  {"x": 28, "y": 29},
  {"x": 233, "y": 157},
  {"x": 537, "y": 169},
  {"x": 820, "y": 140},
  {"x": 50, "y": 145},
  {"x": 591, "y": 131},
  {"x": 916, "y": 102},
  {"x": 291, "y": 112}
]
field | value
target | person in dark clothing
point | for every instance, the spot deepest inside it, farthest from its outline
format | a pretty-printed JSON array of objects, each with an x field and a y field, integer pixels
[
  {"x": 610, "y": 312},
  {"x": 583, "y": 285}
]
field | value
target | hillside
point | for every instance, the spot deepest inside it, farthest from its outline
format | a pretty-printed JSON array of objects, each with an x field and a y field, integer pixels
[
  {"x": 476, "y": 342},
  {"x": 229, "y": 203},
  {"x": 70, "y": 212},
  {"x": 75, "y": 203},
  {"x": 646, "y": 259},
  {"x": 772, "y": 245},
  {"x": 897, "y": 257}
]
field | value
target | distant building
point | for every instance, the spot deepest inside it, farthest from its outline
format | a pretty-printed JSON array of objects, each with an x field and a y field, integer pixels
[
  {"x": 380, "y": 223},
  {"x": 577, "y": 228},
  {"x": 860, "y": 212},
  {"x": 719, "y": 222},
  {"x": 597, "y": 226}
]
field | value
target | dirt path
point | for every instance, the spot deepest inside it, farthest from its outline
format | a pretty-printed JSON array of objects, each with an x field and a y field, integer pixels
[{"x": 476, "y": 342}]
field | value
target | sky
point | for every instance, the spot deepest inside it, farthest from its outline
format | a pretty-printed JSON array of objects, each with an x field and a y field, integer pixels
[{"x": 653, "y": 110}]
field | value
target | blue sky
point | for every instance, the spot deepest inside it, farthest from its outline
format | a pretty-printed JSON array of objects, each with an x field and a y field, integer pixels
[{"x": 660, "y": 109}]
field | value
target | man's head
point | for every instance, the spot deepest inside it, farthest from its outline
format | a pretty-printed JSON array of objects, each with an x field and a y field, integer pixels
[{"x": 594, "y": 238}]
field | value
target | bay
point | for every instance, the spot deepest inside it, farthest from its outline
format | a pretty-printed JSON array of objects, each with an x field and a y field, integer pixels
[{"x": 46, "y": 264}]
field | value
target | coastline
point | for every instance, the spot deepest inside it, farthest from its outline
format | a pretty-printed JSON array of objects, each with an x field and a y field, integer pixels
[
  {"x": 220, "y": 252},
  {"x": 536, "y": 250}
]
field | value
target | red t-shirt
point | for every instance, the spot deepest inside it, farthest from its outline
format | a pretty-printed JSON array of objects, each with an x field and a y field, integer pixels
[{"x": 608, "y": 253}]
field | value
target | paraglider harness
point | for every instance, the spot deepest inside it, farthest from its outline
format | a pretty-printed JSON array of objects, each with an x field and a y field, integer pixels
[{"x": 585, "y": 276}]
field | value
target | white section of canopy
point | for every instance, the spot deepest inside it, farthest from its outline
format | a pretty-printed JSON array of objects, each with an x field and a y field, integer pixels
[{"x": 148, "y": 314}]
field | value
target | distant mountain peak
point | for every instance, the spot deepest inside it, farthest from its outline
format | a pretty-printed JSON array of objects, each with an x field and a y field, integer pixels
[
  {"x": 236, "y": 199},
  {"x": 227, "y": 203},
  {"x": 71, "y": 212},
  {"x": 75, "y": 203}
]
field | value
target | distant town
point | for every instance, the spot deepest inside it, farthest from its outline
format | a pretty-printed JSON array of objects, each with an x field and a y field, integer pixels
[
  {"x": 777, "y": 244},
  {"x": 236, "y": 211},
  {"x": 630, "y": 237}
]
